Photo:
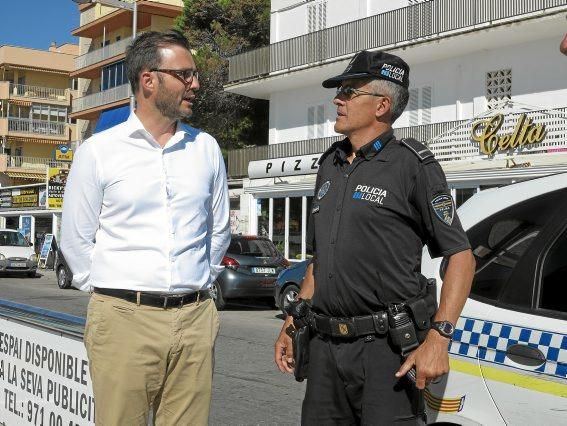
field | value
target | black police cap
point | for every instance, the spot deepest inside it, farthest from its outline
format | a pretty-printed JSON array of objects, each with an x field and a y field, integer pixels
[{"x": 378, "y": 65}]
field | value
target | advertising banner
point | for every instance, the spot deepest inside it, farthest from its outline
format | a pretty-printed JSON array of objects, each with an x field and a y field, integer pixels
[
  {"x": 56, "y": 180},
  {"x": 44, "y": 378}
]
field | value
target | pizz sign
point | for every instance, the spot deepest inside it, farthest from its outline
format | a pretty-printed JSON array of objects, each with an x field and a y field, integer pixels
[{"x": 288, "y": 166}]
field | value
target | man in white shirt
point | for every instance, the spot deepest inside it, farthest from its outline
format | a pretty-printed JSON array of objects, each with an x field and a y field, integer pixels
[{"x": 145, "y": 227}]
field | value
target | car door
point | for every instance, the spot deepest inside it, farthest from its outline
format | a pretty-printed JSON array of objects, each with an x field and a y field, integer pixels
[{"x": 518, "y": 326}]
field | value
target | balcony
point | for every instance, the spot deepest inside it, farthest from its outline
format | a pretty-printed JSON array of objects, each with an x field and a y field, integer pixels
[
  {"x": 37, "y": 93},
  {"x": 86, "y": 106},
  {"x": 100, "y": 56},
  {"x": 450, "y": 141},
  {"x": 37, "y": 127},
  {"x": 16, "y": 163},
  {"x": 430, "y": 20}
]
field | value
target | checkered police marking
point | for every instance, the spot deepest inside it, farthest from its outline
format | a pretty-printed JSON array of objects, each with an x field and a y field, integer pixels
[
  {"x": 377, "y": 146},
  {"x": 488, "y": 341}
]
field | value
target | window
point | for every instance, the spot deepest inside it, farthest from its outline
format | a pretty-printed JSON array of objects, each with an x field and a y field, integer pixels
[
  {"x": 250, "y": 246},
  {"x": 419, "y": 105},
  {"x": 316, "y": 122},
  {"x": 316, "y": 16},
  {"x": 263, "y": 213},
  {"x": 113, "y": 75},
  {"x": 462, "y": 195},
  {"x": 498, "y": 87},
  {"x": 554, "y": 277}
]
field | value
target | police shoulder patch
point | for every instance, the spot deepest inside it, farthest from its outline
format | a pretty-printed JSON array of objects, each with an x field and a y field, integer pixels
[
  {"x": 417, "y": 148},
  {"x": 444, "y": 208}
]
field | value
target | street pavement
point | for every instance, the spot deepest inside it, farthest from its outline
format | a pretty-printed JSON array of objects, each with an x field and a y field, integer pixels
[{"x": 247, "y": 388}]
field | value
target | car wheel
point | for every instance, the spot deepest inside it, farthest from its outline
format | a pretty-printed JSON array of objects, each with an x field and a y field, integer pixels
[
  {"x": 62, "y": 280},
  {"x": 288, "y": 294},
  {"x": 31, "y": 274},
  {"x": 216, "y": 293}
]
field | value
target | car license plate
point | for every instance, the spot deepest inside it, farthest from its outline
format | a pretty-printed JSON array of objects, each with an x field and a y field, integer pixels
[
  {"x": 18, "y": 264},
  {"x": 260, "y": 270}
]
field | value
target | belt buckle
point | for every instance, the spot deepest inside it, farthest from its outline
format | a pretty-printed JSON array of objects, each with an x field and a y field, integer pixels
[
  {"x": 166, "y": 298},
  {"x": 343, "y": 327}
]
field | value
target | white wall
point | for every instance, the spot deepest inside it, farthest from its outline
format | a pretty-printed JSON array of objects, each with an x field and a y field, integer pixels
[
  {"x": 289, "y": 17},
  {"x": 539, "y": 78}
]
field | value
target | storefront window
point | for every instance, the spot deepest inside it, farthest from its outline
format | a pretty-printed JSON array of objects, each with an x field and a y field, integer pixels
[
  {"x": 263, "y": 212},
  {"x": 278, "y": 236},
  {"x": 295, "y": 225}
]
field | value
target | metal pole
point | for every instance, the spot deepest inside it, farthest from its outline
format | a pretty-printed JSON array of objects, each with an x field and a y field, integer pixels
[{"x": 134, "y": 28}]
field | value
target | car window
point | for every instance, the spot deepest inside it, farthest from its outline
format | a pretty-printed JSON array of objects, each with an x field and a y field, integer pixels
[
  {"x": 14, "y": 239},
  {"x": 554, "y": 276},
  {"x": 501, "y": 242},
  {"x": 253, "y": 247}
]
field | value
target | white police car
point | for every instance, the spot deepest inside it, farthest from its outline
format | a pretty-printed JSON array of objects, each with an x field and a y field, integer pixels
[{"x": 509, "y": 352}]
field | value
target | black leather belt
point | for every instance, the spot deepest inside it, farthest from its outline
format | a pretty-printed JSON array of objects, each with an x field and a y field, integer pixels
[
  {"x": 155, "y": 299},
  {"x": 352, "y": 327}
]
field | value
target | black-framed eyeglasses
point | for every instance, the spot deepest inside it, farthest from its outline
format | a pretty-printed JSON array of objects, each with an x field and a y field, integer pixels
[
  {"x": 185, "y": 75},
  {"x": 350, "y": 92}
]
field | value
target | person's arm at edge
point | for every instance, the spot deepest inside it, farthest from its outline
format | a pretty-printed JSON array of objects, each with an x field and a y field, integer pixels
[
  {"x": 81, "y": 209},
  {"x": 563, "y": 45},
  {"x": 283, "y": 351},
  {"x": 431, "y": 358},
  {"x": 219, "y": 219}
]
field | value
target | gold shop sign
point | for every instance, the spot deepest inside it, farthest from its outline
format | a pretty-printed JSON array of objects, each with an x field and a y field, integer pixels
[{"x": 525, "y": 132}]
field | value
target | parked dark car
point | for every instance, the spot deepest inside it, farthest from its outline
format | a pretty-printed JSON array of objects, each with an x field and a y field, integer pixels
[
  {"x": 64, "y": 274},
  {"x": 288, "y": 284},
  {"x": 251, "y": 266}
]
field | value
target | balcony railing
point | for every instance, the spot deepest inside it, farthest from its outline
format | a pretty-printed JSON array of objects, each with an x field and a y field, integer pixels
[
  {"x": 38, "y": 92},
  {"x": 102, "y": 54},
  {"x": 40, "y": 127},
  {"x": 101, "y": 98},
  {"x": 449, "y": 141},
  {"x": 91, "y": 15},
  {"x": 422, "y": 21},
  {"x": 23, "y": 162}
]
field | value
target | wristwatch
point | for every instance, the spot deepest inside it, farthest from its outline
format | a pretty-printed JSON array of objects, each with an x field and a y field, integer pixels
[{"x": 444, "y": 328}]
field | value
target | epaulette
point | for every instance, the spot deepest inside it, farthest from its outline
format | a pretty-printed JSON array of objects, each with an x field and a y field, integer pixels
[
  {"x": 329, "y": 151},
  {"x": 419, "y": 149}
]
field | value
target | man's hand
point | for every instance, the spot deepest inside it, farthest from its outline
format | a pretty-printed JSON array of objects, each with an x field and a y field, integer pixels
[
  {"x": 283, "y": 353},
  {"x": 431, "y": 360}
]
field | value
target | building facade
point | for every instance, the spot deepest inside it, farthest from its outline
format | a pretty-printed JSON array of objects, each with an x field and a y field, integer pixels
[
  {"x": 487, "y": 94},
  {"x": 104, "y": 33},
  {"x": 37, "y": 134}
]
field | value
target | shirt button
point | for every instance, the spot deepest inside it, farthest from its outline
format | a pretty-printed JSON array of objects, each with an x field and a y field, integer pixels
[
  {"x": 332, "y": 241},
  {"x": 330, "y": 275},
  {"x": 346, "y": 175}
]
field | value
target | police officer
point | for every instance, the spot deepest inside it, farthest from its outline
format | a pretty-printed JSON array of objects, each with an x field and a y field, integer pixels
[{"x": 378, "y": 201}]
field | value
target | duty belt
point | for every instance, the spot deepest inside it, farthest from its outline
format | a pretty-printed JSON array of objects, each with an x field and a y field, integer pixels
[
  {"x": 351, "y": 327},
  {"x": 155, "y": 299}
]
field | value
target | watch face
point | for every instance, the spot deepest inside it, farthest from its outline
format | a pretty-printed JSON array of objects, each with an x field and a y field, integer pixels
[{"x": 447, "y": 327}]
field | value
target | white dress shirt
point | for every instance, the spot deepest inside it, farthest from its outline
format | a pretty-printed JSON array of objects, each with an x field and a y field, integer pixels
[{"x": 137, "y": 216}]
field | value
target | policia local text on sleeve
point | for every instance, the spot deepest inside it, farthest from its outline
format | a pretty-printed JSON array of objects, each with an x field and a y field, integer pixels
[{"x": 371, "y": 315}]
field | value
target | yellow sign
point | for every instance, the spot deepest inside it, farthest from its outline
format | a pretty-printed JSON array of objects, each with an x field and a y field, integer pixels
[
  {"x": 525, "y": 132},
  {"x": 56, "y": 180},
  {"x": 64, "y": 156}
]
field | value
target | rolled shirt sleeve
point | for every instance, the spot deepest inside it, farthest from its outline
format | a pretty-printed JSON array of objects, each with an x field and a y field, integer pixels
[
  {"x": 81, "y": 209},
  {"x": 219, "y": 219}
]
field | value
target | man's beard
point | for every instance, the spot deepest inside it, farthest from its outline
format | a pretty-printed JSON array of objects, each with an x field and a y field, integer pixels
[{"x": 167, "y": 106}]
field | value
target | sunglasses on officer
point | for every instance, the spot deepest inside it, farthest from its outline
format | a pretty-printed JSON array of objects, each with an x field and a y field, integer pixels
[
  {"x": 349, "y": 92},
  {"x": 186, "y": 76}
]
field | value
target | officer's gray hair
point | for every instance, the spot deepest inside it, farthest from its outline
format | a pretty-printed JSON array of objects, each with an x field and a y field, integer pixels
[{"x": 398, "y": 95}]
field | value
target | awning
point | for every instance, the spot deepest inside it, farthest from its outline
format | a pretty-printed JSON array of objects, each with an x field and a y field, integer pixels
[
  {"x": 33, "y": 176},
  {"x": 19, "y": 102},
  {"x": 28, "y": 68},
  {"x": 112, "y": 117},
  {"x": 36, "y": 140},
  {"x": 299, "y": 189}
]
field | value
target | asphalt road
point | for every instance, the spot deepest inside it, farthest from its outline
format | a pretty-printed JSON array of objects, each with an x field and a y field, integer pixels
[{"x": 247, "y": 388}]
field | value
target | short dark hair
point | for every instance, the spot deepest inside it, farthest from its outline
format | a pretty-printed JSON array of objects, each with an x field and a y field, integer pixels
[{"x": 144, "y": 52}]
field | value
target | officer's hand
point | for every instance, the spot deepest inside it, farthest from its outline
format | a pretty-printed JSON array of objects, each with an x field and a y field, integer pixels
[
  {"x": 283, "y": 354},
  {"x": 431, "y": 360}
]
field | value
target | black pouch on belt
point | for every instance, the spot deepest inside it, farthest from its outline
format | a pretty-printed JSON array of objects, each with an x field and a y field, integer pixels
[{"x": 424, "y": 307}]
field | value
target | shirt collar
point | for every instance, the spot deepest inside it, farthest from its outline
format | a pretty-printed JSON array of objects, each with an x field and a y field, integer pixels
[
  {"x": 368, "y": 151},
  {"x": 135, "y": 129}
]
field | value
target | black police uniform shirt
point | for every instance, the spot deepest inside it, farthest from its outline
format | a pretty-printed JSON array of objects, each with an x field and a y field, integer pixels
[{"x": 370, "y": 220}]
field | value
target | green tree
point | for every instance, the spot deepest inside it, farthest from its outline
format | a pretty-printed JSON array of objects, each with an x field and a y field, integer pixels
[{"x": 218, "y": 29}]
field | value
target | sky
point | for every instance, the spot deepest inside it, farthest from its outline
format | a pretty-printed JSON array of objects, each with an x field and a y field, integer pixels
[{"x": 36, "y": 23}]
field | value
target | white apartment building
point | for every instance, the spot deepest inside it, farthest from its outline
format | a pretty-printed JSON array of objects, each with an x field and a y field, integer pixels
[{"x": 488, "y": 94}]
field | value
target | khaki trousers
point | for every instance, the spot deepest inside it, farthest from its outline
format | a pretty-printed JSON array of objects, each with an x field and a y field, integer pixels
[{"x": 144, "y": 358}]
